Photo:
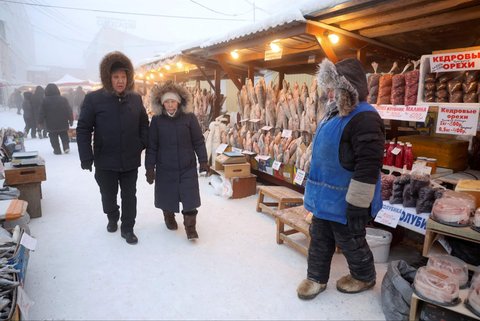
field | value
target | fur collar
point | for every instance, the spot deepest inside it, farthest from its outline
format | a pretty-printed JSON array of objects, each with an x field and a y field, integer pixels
[
  {"x": 106, "y": 66},
  {"x": 346, "y": 95},
  {"x": 186, "y": 105}
]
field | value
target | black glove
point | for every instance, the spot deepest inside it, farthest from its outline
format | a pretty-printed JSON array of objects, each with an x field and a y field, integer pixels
[
  {"x": 87, "y": 165},
  {"x": 150, "y": 175},
  {"x": 204, "y": 167},
  {"x": 357, "y": 218}
]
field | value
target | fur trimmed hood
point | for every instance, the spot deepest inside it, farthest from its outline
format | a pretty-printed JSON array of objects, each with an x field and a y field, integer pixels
[
  {"x": 186, "y": 106},
  {"x": 116, "y": 58},
  {"x": 349, "y": 81}
]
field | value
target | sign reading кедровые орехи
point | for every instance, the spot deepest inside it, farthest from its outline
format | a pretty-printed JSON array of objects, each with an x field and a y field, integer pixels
[{"x": 455, "y": 61}]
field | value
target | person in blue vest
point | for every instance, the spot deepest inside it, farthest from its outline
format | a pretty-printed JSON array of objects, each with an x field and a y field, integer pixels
[{"x": 343, "y": 186}]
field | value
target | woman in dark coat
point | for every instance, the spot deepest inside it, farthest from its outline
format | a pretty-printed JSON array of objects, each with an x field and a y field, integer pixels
[
  {"x": 28, "y": 116},
  {"x": 56, "y": 115},
  {"x": 175, "y": 141},
  {"x": 37, "y": 99}
]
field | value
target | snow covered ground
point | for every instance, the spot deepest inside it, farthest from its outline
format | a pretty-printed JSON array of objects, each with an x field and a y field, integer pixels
[{"x": 234, "y": 271}]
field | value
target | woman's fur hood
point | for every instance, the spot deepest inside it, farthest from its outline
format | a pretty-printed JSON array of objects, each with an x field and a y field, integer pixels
[
  {"x": 186, "y": 104},
  {"x": 116, "y": 57},
  {"x": 347, "y": 78}
]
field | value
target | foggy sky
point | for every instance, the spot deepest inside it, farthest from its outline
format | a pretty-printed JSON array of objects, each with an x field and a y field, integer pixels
[{"x": 62, "y": 35}]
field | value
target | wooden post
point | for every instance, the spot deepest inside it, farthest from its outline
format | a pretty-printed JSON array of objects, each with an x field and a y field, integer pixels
[
  {"x": 218, "y": 98},
  {"x": 281, "y": 77},
  {"x": 362, "y": 56}
]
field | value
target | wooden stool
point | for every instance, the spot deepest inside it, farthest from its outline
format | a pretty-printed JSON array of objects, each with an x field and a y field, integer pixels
[
  {"x": 294, "y": 217},
  {"x": 283, "y": 196}
]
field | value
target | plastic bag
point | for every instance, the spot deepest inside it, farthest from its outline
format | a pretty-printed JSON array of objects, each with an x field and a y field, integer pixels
[
  {"x": 418, "y": 181},
  {"x": 426, "y": 197},
  {"x": 387, "y": 185},
  {"x": 409, "y": 199},
  {"x": 398, "y": 186},
  {"x": 221, "y": 186}
]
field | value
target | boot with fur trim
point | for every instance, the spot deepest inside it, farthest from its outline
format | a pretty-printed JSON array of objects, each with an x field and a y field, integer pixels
[
  {"x": 309, "y": 289},
  {"x": 190, "y": 221},
  {"x": 347, "y": 284},
  {"x": 170, "y": 220}
]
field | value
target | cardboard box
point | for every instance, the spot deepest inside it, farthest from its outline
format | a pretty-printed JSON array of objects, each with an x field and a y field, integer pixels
[
  {"x": 236, "y": 170},
  {"x": 244, "y": 186},
  {"x": 286, "y": 173},
  {"x": 23, "y": 175},
  {"x": 223, "y": 159}
]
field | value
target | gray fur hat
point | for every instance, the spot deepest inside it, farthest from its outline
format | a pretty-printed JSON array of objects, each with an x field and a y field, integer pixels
[{"x": 348, "y": 79}]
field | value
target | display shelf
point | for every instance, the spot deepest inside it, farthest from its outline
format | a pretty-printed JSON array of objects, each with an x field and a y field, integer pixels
[
  {"x": 460, "y": 308},
  {"x": 434, "y": 229}
]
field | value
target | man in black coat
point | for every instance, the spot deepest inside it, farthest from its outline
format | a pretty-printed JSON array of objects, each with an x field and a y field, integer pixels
[{"x": 117, "y": 118}]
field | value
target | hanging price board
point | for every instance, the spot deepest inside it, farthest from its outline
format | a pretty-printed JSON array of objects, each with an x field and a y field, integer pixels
[
  {"x": 276, "y": 165},
  {"x": 299, "y": 177}
]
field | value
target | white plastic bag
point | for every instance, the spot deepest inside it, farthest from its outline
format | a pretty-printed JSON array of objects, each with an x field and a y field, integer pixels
[{"x": 221, "y": 186}]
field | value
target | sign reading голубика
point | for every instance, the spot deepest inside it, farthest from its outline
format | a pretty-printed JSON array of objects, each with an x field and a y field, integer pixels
[{"x": 407, "y": 217}]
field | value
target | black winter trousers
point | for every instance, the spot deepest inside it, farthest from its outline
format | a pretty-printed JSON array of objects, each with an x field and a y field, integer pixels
[
  {"x": 108, "y": 181},
  {"x": 63, "y": 135},
  {"x": 324, "y": 235}
]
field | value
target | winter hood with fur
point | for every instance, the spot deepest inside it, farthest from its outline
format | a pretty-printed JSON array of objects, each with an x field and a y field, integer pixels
[
  {"x": 349, "y": 81},
  {"x": 117, "y": 60},
  {"x": 186, "y": 105}
]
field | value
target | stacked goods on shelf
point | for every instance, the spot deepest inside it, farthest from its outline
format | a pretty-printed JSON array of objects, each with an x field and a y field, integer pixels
[
  {"x": 473, "y": 298},
  {"x": 372, "y": 83},
  {"x": 452, "y": 87},
  {"x": 450, "y": 265},
  {"x": 454, "y": 208},
  {"x": 411, "y": 84},
  {"x": 436, "y": 286}
]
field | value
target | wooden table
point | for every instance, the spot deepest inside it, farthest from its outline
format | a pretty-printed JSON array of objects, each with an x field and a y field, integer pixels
[
  {"x": 283, "y": 196},
  {"x": 293, "y": 217}
]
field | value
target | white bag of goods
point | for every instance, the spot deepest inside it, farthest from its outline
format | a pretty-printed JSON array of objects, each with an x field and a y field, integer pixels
[
  {"x": 451, "y": 265},
  {"x": 436, "y": 286},
  {"x": 470, "y": 199}
]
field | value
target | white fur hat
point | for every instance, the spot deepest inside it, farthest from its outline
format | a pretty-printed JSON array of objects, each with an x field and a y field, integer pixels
[{"x": 171, "y": 95}]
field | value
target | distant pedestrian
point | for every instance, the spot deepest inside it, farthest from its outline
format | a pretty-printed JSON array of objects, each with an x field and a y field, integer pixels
[
  {"x": 16, "y": 100},
  {"x": 78, "y": 97},
  {"x": 56, "y": 116},
  {"x": 28, "y": 115},
  {"x": 117, "y": 118},
  {"x": 175, "y": 142},
  {"x": 37, "y": 99}
]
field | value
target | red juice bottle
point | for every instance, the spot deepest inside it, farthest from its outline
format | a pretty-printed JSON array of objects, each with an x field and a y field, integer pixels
[{"x": 399, "y": 157}]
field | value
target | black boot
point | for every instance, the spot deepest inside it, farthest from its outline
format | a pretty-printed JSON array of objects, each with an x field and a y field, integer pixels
[
  {"x": 190, "y": 220},
  {"x": 170, "y": 220},
  {"x": 112, "y": 226},
  {"x": 130, "y": 237}
]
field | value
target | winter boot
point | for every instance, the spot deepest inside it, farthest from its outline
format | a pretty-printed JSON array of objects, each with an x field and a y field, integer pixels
[
  {"x": 170, "y": 220},
  {"x": 190, "y": 220},
  {"x": 347, "y": 284},
  {"x": 309, "y": 289}
]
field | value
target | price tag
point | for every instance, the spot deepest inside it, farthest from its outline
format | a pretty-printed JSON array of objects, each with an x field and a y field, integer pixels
[
  {"x": 262, "y": 157},
  {"x": 396, "y": 150},
  {"x": 247, "y": 152},
  {"x": 421, "y": 168},
  {"x": 24, "y": 302},
  {"x": 389, "y": 218},
  {"x": 28, "y": 241},
  {"x": 276, "y": 165},
  {"x": 237, "y": 150},
  {"x": 221, "y": 148},
  {"x": 267, "y": 128},
  {"x": 287, "y": 133},
  {"x": 299, "y": 177}
]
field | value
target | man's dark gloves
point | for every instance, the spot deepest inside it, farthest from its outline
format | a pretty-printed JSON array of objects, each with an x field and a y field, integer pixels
[
  {"x": 357, "y": 218},
  {"x": 204, "y": 167},
  {"x": 87, "y": 165},
  {"x": 150, "y": 175}
]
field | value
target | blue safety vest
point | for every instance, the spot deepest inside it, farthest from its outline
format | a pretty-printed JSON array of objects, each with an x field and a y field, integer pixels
[{"x": 328, "y": 181}]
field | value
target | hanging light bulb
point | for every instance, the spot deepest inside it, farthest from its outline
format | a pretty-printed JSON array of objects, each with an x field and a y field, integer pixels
[
  {"x": 333, "y": 38},
  {"x": 234, "y": 54},
  {"x": 179, "y": 64},
  {"x": 167, "y": 67},
  {"x": 274, "y": 45}
]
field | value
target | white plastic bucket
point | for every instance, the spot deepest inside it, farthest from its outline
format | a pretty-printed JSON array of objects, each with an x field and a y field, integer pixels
[{"x": 379, "y": 242}]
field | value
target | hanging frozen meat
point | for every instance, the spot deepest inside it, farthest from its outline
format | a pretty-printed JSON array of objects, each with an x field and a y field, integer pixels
[
  {"x": 385, "y": 87},
  {"x": 372, "y": 82},
  {"x": 411, "y": 84},
  {"x": 450, "y": 265},
  {"x": 436, "y": 286}
]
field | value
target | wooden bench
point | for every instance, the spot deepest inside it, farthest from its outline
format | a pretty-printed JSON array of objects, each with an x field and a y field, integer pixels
[
  {"x": 283, "y": 196},
  {"x": 293, "y": 217}
]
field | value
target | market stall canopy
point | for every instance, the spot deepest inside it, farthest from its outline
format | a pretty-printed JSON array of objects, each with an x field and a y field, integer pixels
[{"x": 69, "y": 80}]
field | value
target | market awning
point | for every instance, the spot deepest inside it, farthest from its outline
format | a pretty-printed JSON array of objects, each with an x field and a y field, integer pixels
[{"x": 69, "y": 80}]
